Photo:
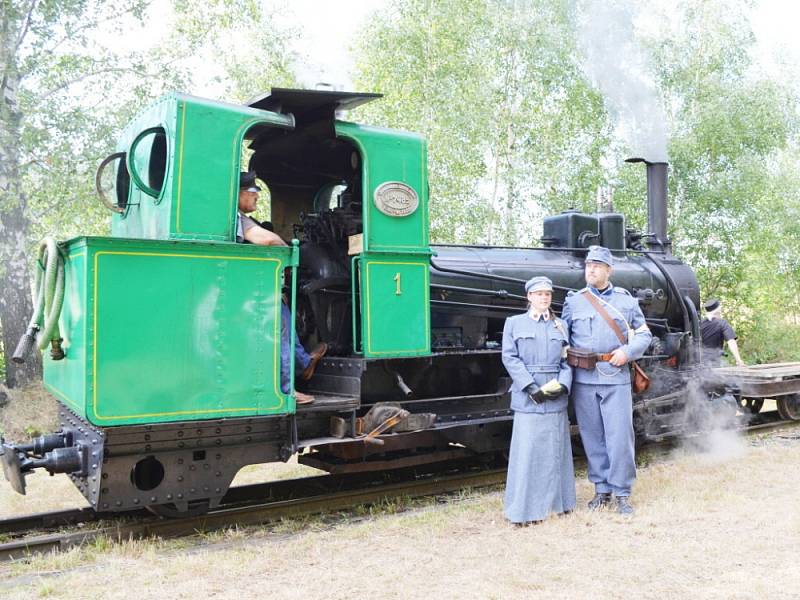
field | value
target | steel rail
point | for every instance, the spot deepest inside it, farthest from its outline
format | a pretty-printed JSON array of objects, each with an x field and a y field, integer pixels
[
  {"x": 251, "y": 515},
  {"x": 49, "y": 520},
  {"x": 282, "y": 489},
  {"x": 239, "y": 510}
]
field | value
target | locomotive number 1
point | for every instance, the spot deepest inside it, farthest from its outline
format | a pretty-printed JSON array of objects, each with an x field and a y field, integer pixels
[{"x": 397, "y": 291}]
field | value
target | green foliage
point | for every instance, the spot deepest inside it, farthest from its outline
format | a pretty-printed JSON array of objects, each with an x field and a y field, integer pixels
[
  {"x": 77, "y": 90},
  {"x": 428, "y": 61},
  {"x": 515, "y": 132},
  {"x": 32, "y": 431},
  {"x": 734, "y": 159},
  {"x": 80, "y": 92},
  {"x": 513, "y": 128},
  {"x": 263, "y": 59},
  {"x": 768, "y": 338}
]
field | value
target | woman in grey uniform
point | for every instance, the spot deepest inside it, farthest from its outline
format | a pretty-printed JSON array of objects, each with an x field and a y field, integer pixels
[{"x": 540, "y": 478}]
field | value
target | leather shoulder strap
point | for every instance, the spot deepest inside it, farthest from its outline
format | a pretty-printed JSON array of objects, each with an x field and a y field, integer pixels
[{"x": 604, "y": 313}]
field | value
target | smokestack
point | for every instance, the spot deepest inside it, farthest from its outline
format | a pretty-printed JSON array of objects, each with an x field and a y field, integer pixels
[{"x": 656, "y": 202}]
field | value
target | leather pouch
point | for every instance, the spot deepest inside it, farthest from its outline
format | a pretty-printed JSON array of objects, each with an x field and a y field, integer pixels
[
  {"x": 640, "y": 382},
  {"x": 583, "y": 359}
]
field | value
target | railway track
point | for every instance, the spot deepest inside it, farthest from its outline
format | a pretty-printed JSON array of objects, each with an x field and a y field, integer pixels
[
  {"x": 141, "y": 524},
  {"x": 256, "y": 504}
]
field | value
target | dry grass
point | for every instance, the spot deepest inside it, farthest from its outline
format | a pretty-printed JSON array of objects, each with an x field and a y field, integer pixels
[
  {"x": 44, "y": 493},
  {"x": 30, "y": 411},
  {"x": 272, "y": 471},
  {"x": 706, "y": 527}
]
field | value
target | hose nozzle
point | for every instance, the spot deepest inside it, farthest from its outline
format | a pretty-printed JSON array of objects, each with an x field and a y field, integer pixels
[
  {"x": 25, "y": 344},
  {"x": 56, "y": 351}
]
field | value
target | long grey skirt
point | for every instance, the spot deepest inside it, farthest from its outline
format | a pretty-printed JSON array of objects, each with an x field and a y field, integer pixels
[{"x": 541, "y": 478}]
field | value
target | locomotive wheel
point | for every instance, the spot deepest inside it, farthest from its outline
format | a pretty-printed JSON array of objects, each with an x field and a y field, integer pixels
[
  {"x": 170, "y": 511},
  {"x": 751, "y": 405},
  {"x": 789, "y": 407}
]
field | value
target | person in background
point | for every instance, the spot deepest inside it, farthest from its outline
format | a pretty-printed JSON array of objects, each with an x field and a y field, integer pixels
[
  {"x": 602, "y": 392},
  {"x": 541, "y": 479},
  {"x": 249, "y": 230},
  {"x": 715, "y": 332}
]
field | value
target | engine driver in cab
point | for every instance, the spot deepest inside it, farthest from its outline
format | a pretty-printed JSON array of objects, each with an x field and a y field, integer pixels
[
  {"x": 601, "y": 391},
  {"x": 249, "y": 230}
]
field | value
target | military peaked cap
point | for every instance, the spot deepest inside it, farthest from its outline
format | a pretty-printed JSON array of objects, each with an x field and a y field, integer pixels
[
  {"x": 539, "y": 284},
  {"x": 600, "y": 254}
]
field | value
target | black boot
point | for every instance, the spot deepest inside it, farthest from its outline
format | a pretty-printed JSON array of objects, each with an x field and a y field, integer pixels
[
  {"x": 623, "y": 506},
  {"x": 599, "y": 501}
]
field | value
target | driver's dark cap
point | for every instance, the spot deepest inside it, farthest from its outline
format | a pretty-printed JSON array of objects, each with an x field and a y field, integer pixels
[{"x": 247, "y": 181}]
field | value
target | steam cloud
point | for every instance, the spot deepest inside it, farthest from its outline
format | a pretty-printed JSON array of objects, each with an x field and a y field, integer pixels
[
  {"x": 714, "y": 424},
  {"x": 617, "y": 66}
]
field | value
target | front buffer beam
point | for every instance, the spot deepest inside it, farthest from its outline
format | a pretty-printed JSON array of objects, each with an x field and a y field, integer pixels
[{"x": 56, "y": 452}]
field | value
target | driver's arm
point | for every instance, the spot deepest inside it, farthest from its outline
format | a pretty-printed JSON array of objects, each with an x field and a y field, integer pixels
[{"x": 263, "y": 237}]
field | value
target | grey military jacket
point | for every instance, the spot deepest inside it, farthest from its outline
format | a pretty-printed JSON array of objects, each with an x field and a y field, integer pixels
[
  {"x": 535, "y": 352},
  {"x": 588, "y": 330}
]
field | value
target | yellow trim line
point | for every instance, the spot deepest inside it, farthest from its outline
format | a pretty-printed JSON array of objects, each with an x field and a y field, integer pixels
[
  {"x": 425, "y": 275},
  {"x": 276, "y": 362}
]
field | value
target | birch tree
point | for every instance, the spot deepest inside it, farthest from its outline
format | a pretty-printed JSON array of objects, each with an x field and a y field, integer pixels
[
  {"x": 734, "y": 169},
  {"x": 45, "y": 49},
  {"x": 72, "y": 72},
  {"x": 495, "y": 87}
]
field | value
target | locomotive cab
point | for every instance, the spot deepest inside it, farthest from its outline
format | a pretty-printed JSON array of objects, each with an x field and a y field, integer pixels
[
  {"x": 342, "y": 189},
  {"x": 356, "y": 197},
  {"x": 315, "y": 187}
]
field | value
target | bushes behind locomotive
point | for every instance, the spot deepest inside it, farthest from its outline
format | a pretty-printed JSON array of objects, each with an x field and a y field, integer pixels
[{"x": 767, "y": 338}]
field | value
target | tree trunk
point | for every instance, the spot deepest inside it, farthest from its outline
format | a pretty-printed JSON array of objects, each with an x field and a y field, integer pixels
[{"x": 16, "y": 305}]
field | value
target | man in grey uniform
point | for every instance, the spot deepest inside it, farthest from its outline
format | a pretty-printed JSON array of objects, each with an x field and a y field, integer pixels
[{"x": 602, "y": 395}]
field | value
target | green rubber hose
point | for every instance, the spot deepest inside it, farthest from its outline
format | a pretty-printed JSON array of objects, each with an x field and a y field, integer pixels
[
  {"x": 52, "y": 289},
  {"x": 48, "y": 298}
]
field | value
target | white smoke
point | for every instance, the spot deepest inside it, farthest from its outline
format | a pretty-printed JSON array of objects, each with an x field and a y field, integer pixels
[
  {"x": 617, "y": 65},
  {"x": 714, "y": 424}
]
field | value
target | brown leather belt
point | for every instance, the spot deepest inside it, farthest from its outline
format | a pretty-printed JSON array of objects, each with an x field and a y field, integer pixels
[{"x": 583, "y": 359}]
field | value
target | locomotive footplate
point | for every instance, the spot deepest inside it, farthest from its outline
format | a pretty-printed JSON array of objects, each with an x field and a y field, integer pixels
[
  {"x": 396, "y": 451},
  {"x": 402, "y": 450},
  {"x": 462, "y": 426},
  {"x": 328, "y": 403}
]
